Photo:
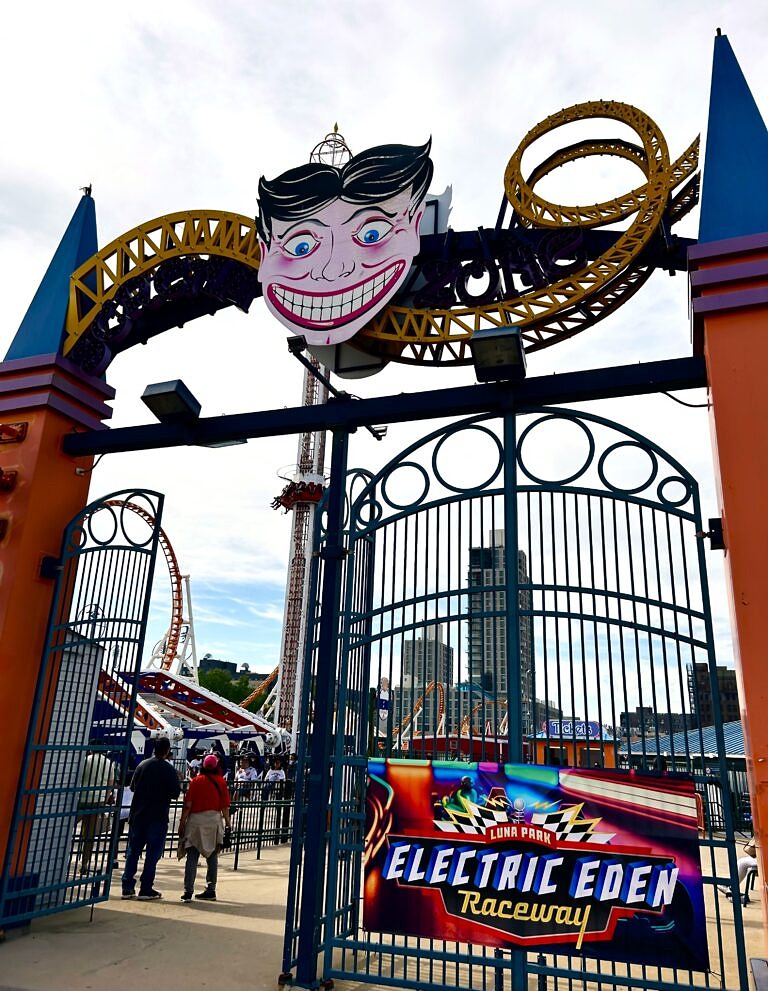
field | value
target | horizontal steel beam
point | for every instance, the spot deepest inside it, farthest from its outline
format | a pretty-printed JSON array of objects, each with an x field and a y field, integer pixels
[{"x": 348, "y": 413}]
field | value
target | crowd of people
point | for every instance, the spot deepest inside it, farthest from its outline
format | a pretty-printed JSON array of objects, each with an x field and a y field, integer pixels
[
  {"x": 214, "y": 779},
  {"x": 244, "y": 769}
]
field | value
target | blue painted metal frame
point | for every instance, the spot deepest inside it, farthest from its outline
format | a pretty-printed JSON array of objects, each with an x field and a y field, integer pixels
[
  {"x": 501, "y": 397},
  {"x": 96, "y": 628}
]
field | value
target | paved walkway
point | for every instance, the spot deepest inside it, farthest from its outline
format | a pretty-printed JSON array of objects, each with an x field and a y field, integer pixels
[{"x": 232, "y": 944}]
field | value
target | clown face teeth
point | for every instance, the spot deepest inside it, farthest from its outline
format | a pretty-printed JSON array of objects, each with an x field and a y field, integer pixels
[{"x": 324, "y": 309}]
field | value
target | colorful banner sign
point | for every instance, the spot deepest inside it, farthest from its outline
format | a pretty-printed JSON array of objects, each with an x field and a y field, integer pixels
[{"x": 600, "y": 863}]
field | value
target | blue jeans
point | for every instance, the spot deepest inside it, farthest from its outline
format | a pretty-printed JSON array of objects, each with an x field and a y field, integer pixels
[{"x": 141, "y": 835}]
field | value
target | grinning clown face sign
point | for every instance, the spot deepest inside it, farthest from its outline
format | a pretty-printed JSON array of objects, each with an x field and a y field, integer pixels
[{"x": 336, "y": 244}]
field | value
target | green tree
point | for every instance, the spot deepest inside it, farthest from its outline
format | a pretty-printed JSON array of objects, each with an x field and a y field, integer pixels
[
  {"x": 217, "y": 680},
  {"x": 241, "y": 688}
]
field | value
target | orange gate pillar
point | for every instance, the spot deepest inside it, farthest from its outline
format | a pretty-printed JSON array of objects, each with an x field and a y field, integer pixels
[
  {"x": 729, "y": 290},
  {"x": 41, "y": 489}
]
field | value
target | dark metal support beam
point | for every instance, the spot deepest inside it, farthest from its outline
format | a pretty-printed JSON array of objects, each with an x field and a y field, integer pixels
[{"x": 348, "y": 414}]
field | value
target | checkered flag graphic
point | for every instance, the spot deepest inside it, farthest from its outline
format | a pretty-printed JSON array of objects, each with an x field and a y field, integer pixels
[
  {"x": 567, "y": 825},
  {"x": 474, "y": 820}
]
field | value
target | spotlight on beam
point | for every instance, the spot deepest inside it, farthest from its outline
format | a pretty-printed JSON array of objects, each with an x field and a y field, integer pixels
[
  {"x": 171, "y": 402},
  {"x": 498, "y": 354}
]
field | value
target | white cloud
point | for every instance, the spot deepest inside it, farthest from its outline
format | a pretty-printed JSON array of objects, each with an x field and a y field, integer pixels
[{"x": 184, "y": 105}]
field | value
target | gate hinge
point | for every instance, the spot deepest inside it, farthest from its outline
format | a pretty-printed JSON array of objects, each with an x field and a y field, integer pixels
[
  {"x": 714, "y": 534},
  {"x": 50, "y": 566},
  {"x": 333, "y": 552}
]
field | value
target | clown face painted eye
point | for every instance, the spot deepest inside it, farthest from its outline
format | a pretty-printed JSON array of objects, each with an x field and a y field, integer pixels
[
  {"x": 301, "y": 245},
  {"x": 373, "y": 231}
]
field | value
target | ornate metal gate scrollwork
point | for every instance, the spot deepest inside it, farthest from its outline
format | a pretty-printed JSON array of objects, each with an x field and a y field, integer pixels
[{"x": 545, "y": 570}]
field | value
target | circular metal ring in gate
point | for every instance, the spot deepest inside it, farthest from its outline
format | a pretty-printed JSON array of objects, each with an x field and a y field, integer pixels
[
  {"x": 413, "y": 502},
  {"x": 637, "y": 488},
  {"x": 461, "y": 489},
  {"x": 98, "y": 515},
  {"x": 674, "y": 480},
  {"x": 556, "y": 481}
]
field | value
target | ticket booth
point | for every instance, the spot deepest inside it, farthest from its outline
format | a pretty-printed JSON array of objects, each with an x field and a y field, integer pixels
[{"x": 574, "y": 743}]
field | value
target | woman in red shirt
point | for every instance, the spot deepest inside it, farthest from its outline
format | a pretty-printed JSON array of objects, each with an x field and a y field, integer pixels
[{"x": 202, "y": 827}]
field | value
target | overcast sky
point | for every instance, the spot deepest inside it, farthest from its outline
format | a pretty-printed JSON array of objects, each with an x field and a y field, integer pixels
[{"x": 171, "y": 106}]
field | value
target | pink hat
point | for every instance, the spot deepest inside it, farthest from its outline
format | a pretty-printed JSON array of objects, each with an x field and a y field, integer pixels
[{"x": 211, "y": 761}]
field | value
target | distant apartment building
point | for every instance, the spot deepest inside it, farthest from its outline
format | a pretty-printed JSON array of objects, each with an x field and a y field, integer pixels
[
  {"x": 487, "y": 638},
  {"x": 643, "y": 720},
  {"x": 700, "y": 693},
  {"x": 426, "y": 660}
]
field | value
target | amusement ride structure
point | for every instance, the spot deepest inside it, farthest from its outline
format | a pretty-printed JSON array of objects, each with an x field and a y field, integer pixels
[
  {"x": 170, "y": 700},
  {"x": 300, "y": 496},
  {"x": 483, "y": 296}
]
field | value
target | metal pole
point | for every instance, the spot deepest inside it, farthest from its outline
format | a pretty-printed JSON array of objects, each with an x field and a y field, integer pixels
[
  {"x": 316, "y": 827},
  {"x": 514, "y": 660},
  {"x": 191, "y": 634},
  {"x": 237, "y": 839}
]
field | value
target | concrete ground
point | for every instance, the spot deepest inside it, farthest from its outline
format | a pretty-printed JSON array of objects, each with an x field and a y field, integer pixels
[{"x": 233, "y": 944}]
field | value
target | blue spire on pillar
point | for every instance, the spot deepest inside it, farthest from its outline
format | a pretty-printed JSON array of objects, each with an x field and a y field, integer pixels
[
  {"x": 734, "y": 198},
  {"x": 42, "y": 329}
]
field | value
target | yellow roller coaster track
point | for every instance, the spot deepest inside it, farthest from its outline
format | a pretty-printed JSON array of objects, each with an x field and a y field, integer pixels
[
  {"x": 262, "y": 688},
  {"x": 419, "y": 705},
  {"x": 543, "y": 315},
  {"x": 563, "y": 308},
  {"x": 466, "y": 723},
  {"x": 201, "y": 232}
]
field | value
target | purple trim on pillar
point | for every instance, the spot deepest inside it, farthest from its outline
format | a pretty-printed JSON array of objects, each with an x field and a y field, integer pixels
[
  {"x": 50, "y": 381},
  {"x": 741, "y": 299},
  {"x": 729, "y": 246},
  {"x": 56, "y": 383},
  {"x": 47, "y": 400},
  {"x": 62, "y": 364},
  {"x": 722, "y": 302},
  {"x": 724, "y": 274}
]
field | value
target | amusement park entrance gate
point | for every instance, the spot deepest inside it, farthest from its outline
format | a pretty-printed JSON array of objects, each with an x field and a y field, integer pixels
[
  {"x": 502, "y": 583},
  {"x": 64, "y": 835}
]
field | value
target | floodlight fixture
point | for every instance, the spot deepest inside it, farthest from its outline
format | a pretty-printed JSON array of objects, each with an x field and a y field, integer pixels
[
  {"x": 498, "y": 354},
  {"x": 297, "y": 343},
  {"x": 171, "y": 402}
]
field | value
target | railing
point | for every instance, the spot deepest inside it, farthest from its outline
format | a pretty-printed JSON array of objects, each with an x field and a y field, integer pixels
[{"x": 262, "y": 815}]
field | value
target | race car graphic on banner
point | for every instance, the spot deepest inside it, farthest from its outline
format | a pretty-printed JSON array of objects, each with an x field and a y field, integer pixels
[{"x": 601, "y": 863}]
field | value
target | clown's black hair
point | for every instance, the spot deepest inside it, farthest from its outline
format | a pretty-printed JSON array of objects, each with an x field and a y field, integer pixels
[{"x": 370, "y": 177}]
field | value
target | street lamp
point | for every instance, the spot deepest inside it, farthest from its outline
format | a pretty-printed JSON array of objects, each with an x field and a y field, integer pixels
[
  {"x": 497, "y": 353},
  {"x": 171, "y": 402}
]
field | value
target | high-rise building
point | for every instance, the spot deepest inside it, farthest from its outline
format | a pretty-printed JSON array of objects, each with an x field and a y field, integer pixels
[
  {"x": 487, "y": 641},
  {"x": 426, "y": 661},
  {"x": 700, "y": 693}
]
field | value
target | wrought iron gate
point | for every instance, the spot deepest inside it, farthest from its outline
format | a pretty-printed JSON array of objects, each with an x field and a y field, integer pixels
[
  {"x": 499, "y": 578},
  {"x": 64, "y": 829}
]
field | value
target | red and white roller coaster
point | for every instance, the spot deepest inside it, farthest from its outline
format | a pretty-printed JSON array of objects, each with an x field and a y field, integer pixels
[{"x": 169, "y": 691}]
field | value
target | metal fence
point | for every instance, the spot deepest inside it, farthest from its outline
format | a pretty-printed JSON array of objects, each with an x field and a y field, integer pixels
[
  {"x": 262, "y": 816},
  {"x": 540, "y": 589}
]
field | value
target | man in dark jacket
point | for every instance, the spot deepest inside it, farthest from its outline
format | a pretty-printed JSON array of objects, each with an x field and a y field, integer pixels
[{"x": 155, "y": 785}]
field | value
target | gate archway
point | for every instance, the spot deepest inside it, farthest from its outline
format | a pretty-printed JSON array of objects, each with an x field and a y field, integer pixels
[{"x": 559, "y": 593}]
